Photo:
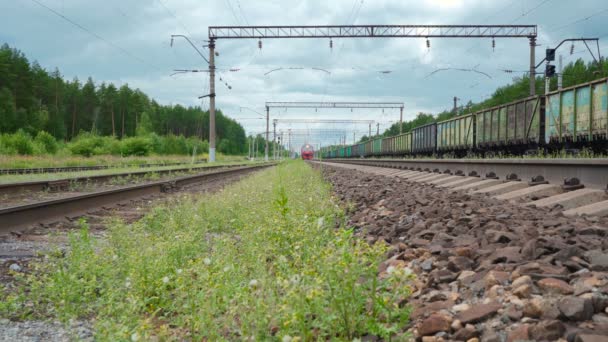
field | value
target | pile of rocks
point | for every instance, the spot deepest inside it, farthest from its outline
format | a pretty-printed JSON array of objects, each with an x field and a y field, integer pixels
[{"x": 486, "y": 270}]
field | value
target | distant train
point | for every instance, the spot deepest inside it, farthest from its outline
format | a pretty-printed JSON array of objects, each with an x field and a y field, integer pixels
[
  {"x": 569, "y": 118},
  {"x": 307, "y": 152}
]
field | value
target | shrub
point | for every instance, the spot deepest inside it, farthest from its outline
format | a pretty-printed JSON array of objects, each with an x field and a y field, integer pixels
[
  {"x": 136, "y": 146},
  {"x": 46, "y": 141},
  {"x": 21, "y": 142}
]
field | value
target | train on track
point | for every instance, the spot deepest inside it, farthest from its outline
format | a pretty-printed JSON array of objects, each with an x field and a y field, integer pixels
[
  {"x": 307, "y": 152},
  {"x": 570, "y": 118}
]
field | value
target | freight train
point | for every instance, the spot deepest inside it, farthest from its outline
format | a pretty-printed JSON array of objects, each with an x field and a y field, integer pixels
[
  {"x": 307, "y": 152},
  {"x": 569, "y": 118}
]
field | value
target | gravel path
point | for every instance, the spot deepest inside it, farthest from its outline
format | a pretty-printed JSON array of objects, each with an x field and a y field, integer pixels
[{"x": 486, "y": 270}]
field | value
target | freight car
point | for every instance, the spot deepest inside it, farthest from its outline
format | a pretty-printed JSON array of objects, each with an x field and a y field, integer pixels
[{"x": 570, "y": 118}]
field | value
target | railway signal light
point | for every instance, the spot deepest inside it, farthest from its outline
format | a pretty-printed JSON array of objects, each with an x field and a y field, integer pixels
[
  {"x": 550, "y": 55},
  {"x": 550, "y": 70}
]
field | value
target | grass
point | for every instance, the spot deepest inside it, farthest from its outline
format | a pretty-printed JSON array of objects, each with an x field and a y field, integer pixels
[
  {"x": 59, "y": 160},
  {"x": 267, "y": 259},
  {"x": 4, "y": 179}
]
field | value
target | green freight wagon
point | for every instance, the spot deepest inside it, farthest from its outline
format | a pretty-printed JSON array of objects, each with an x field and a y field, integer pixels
[
  {"x": 511, "y": 124},
  {"x": 349, "y": 152},
  {"x": 456, "y": 134},
  {"x": 403, "y": 143},
  {"x": 578, "y": 113},
  {"x": 377, "y": 146}
]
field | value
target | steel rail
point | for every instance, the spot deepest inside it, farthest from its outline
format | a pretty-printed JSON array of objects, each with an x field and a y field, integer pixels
[
  {"x": 35, "y": 170},
  {"x": 57, "y": 184},
  {"x": 592, "y": 173},
  {"x": 20, "y": 217}
]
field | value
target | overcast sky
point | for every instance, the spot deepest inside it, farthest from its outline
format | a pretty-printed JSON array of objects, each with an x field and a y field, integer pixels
[{"x": 128, "y": 42}]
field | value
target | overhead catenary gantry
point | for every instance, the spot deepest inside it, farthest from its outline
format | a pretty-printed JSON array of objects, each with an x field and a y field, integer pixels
[
  {"x": 331, "y": 105},
  {"x": 359, "y": 31}
]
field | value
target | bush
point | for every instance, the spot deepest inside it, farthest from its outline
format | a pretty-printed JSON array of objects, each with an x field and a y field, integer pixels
[
  {"x": 21, "y": 142},
  {"x": 47, "y": 142},
  {"x": 136, "y": 146}
]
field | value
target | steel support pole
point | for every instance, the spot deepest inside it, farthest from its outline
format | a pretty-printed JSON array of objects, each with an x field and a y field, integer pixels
[
  {"x": 274, "y": 140},
  {"x": 378, "y": 129},
  {"x": 401, "y": 120},
  {"x": 370, "y": 132},
  {"x": 532, "y": 66},
  {"x": 559, "y": 75},
  {"x": 212, "y": 100},
  {"x": 267, "y": 131}
]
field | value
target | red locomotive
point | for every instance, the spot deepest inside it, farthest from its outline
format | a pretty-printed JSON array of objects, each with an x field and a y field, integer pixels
[{"x": 307, "y": 152}]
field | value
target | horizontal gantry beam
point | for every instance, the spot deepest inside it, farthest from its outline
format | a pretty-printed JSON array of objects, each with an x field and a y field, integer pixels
[
  {"x": 369, "y": 31},
  {"x": 334, "y": 104}
]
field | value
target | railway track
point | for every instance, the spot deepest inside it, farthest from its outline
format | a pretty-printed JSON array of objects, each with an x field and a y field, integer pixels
[
  {"x": 37, "y": 170},
  {"x": 63, "y": 184},
  {"x": 17, "y": 218},
  {"x": 577, "y": 186}
]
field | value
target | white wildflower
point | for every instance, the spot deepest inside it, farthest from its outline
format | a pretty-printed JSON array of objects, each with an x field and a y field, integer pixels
[
  {"x": 320, "y": 221},
  {"x": 179, "y": 271},
  {"x": 390, "y": 269},
  {"x": 227, "y": 268},
  {"x": 114, "y": 257},
  {"x": 295, "y": 279},
  {"x": 253, "y": 283},
  {"x": 408, "y": 271},
  {"x": 207, "y": 261},
  {"x": 135, "y": 337},
  {"x": 165, "y": 280},
  {"x": 286, "y": 338}
]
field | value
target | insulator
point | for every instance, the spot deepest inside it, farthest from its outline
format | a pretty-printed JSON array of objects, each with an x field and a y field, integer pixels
[
  {"x": 331, "y": 44},
  {"x": 493, "y": 44},
  {"x": 572, "y": 49},
  {"x": 428, "y": 43},
  {"x": 260, "y": 44}
]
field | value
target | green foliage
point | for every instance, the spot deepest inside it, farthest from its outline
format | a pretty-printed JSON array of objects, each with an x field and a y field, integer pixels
[
  {"x": 136, "y": 146},
  {"x": 227, "y": 266},
  {"x": 17, "y": 143},
  {"x": 47, "y": 141}
]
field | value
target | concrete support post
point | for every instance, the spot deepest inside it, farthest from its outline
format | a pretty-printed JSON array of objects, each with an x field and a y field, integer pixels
[
  {"x": 267, "y": 132},
  {"x": 401, "y": 120},
  {"x": 274, "y": 140},
  {"x": 212, "y": 101},
  {"x": 532, "y": 66}
]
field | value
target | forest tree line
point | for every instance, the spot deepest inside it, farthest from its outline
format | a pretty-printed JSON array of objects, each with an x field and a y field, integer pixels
[
  {"x": 573, "y": 73},
  {"x": 33, "y": 99}
]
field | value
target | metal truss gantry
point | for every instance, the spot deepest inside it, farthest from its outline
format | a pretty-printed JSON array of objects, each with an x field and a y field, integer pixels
[
  {"x": 358, "y": 31},
  {"x": 373, "y": 31},
  {"x": 332, "y": 105}
]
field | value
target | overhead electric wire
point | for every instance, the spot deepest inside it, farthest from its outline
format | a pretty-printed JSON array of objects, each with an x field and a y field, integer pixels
[{"x": 114, "y": 45}]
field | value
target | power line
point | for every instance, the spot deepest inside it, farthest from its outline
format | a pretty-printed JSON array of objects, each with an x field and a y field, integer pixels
[
  {"x": 121, "y": 49},
  {"x": 553, "y": 29},
  {"x": 236, "y": 18},
  {"x": 238, "y": 3},
  {"x": 530, "y": 11},
  {"x": 175, "y": 17}
]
